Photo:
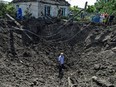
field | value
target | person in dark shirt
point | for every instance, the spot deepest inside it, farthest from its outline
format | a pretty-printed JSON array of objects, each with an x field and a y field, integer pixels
[{"x": 111, "y": 18}]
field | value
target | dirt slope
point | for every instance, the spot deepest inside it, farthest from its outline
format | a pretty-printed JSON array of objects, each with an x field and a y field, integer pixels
[{"x": 89, "y": 51}]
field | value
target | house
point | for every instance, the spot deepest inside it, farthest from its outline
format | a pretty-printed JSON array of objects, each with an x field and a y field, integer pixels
[{"x": 45, "y": 7}]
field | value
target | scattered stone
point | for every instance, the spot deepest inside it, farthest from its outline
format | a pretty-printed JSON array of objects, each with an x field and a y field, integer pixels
[
  {"x": 102, "y": 82},
  {"x": 27, "y": 54},
  {"x": 114, "y": 49},
  {"x": 97, "y": 66}
]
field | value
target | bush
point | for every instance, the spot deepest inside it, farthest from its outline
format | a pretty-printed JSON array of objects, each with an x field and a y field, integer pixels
[{"x": 7, "y": 9}]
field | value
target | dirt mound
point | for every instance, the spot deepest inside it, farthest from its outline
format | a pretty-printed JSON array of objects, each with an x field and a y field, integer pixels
[{"x": 89, "y": 51}]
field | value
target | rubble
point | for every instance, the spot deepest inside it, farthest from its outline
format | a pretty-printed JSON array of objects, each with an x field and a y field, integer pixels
[
  {"x": 103, "y": 83},
  {"x": 89, "y": 51}
]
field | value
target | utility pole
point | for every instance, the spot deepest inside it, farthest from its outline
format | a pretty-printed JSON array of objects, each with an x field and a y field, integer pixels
[{"x": 86, "y": 5}]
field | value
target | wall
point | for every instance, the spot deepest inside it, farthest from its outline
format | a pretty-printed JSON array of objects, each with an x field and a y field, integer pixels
[
  {"x": 40, "y": 9},
  {"x": 36, "y": 11},
  {"x": 55, "y": 8},
  {"x": 33, "y": 7},
  {"x": 66, "y": 11}
]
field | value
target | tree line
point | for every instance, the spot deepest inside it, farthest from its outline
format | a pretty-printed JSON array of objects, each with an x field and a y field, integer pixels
[{"x": 101, "y": 6}]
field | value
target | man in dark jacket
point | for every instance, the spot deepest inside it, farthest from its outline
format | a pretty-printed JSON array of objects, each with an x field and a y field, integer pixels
[{"x": 111, "y": 17}]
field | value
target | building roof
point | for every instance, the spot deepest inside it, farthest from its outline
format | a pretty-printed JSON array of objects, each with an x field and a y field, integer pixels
[
  {"x": 54, "y": 2},
  {"x": 63, "y": 2},
  {"x": 50, "y": 2}
]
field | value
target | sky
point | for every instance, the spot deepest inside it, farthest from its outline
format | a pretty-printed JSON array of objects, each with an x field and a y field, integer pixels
[{"x": 79, "y": 3}]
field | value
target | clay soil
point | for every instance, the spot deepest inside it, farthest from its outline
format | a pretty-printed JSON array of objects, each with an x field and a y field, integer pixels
[{"x": 89, "y": 50}]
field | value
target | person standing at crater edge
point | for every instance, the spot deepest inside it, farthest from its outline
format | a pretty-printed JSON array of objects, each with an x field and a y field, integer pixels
[{"x": 19, "y": 13}]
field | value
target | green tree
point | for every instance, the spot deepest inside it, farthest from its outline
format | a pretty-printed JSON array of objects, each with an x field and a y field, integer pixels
[
  {"x": 91, "y": 9},
  {"x": 7, "y": 8},
  {"x": 74, "y": 9},
  {"x": 108, "y": 6}
]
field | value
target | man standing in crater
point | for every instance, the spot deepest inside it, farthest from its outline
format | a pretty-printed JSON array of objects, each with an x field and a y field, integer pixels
[{"x": 61, "y": 64}]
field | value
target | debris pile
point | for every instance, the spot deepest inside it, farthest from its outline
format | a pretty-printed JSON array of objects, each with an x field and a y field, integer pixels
[{"x": 89, "y": 51}]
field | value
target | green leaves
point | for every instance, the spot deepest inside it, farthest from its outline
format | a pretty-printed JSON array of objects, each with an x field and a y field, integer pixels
[
  {"x": 2, "y": 9},
  {"x": 91, "y": 9},
  {"x": 6, "y": 8},
  {"x": 74, "y": 9},
  {"x": 108, "y": 6}
]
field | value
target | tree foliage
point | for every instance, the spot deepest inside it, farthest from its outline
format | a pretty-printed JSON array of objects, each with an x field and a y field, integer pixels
[
  {"x": 74, "y": 9},
  {"x": 91, "y": 9},
  {"x": 7, "y": 8},
  {"x": 108, "y": 6}
]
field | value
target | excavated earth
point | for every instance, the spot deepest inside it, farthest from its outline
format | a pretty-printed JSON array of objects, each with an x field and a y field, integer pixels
[{"x": 89, "y": 50}]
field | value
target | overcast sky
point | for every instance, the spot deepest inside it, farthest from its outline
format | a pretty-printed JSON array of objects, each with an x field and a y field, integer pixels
[{"x": 79, "y": 3}]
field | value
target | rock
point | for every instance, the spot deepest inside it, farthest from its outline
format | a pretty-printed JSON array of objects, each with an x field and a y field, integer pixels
[
  {"x": 32, "y": 85},
  {"x": 97, "y": 66},
  {"x": 27, "y": 54},
  {"x": 1, "y": 55},
  {"x": 114, "y": 49},
  {"x": 35, "y": 82},
  {"x": 17, "y": 85},
  {"x": 102, "y": 82},
  {"x": 94, "y": 77}
]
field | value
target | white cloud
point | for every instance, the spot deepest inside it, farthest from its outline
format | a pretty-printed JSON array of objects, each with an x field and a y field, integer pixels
[{"x": 81, "y": 3}]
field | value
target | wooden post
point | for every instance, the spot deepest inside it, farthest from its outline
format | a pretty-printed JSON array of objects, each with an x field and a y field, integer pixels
[
  {"x": 12, "y": 47},
  {"x": 18, "y": 24},
  {"x": 85, "y": 5}
]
